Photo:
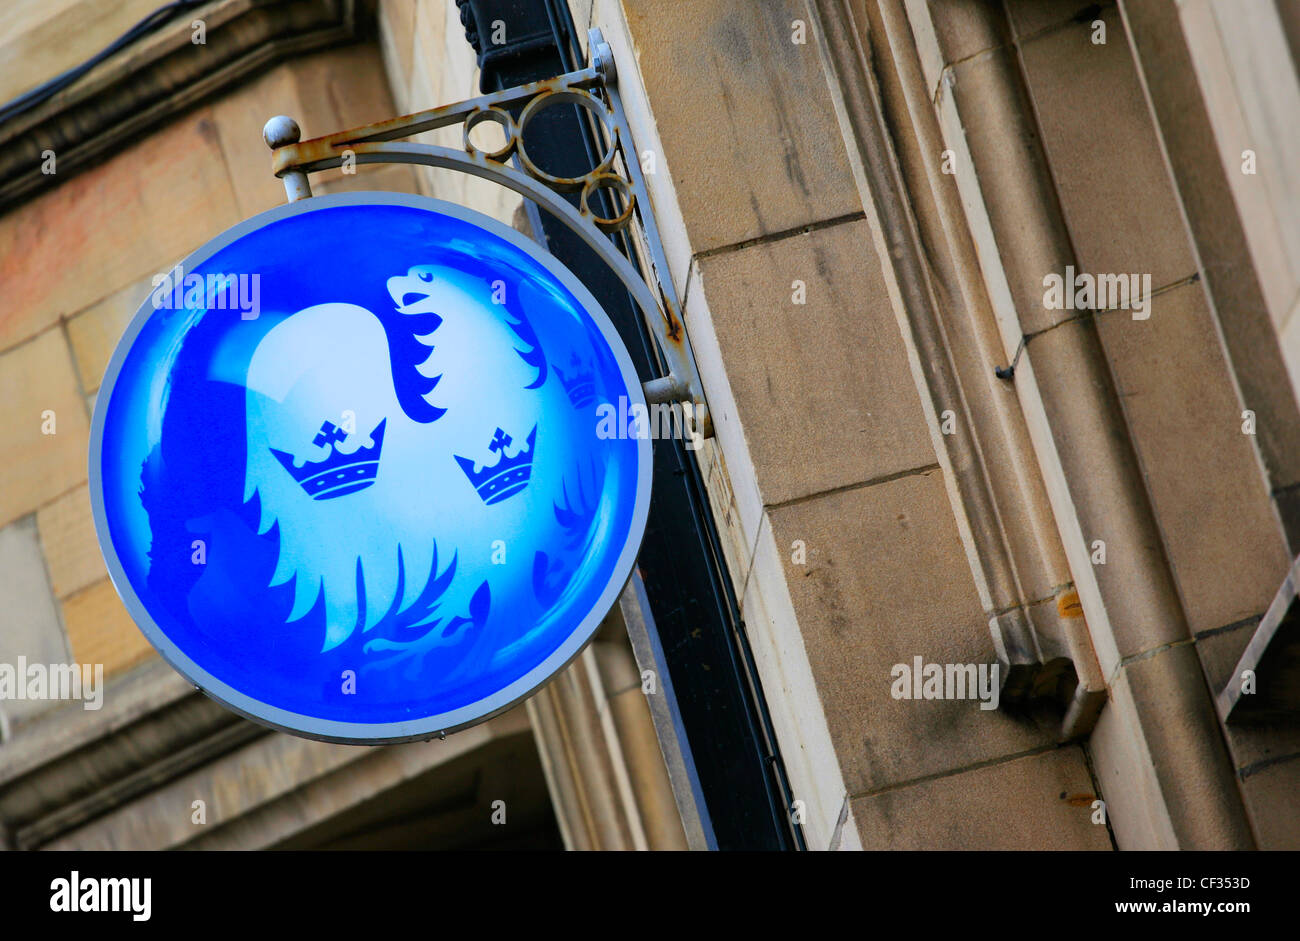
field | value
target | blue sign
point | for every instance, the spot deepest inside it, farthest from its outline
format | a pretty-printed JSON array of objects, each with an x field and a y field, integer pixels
[{"x": 349, "y": 473}]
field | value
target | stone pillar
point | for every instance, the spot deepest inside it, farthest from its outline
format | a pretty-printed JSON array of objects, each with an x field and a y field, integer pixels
[{"x": 609, "y": 788}]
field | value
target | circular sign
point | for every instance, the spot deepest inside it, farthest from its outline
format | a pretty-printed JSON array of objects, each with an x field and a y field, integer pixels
[{"x": 361, "y": 470}]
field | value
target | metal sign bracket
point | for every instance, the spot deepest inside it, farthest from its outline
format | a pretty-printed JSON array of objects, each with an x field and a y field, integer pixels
[{"x": 594, "y": 88}]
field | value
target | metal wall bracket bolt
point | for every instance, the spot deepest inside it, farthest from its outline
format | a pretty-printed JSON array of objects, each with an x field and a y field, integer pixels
[
  {"x": 282, "y": 131},
  {"x": 666, "y": 390}
]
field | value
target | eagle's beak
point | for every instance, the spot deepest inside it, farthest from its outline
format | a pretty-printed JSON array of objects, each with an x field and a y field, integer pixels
[{"x": 407, "y": 292}]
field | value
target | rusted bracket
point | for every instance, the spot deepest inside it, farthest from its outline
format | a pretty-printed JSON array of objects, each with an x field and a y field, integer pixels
[{"x": 593, "y": 88}]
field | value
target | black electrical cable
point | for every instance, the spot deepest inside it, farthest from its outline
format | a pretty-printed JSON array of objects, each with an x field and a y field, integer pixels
[{"x": 46, "y": 90}]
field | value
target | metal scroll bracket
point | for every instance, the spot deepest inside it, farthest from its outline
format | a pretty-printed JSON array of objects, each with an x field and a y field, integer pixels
[{"x": 594, "y": 88}]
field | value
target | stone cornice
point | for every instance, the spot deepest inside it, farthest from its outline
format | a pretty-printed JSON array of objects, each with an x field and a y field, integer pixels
[
  {"x": 68, "y": 765},
  {"x": 144, "y": 85},
  {"x": 126, "y": 776}
]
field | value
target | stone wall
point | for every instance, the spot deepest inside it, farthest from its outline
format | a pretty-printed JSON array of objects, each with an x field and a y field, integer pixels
[
  {"x": 824, "y": 471},
  {"x": 849, "y": 535},
  {"x": 76, "y": 263}
]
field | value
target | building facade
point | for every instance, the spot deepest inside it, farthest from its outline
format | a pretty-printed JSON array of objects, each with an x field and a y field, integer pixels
[{"x": 995, "y": 305}]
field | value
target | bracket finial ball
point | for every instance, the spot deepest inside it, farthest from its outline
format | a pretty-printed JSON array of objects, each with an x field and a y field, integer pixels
[{"x": 281, "y": 131}]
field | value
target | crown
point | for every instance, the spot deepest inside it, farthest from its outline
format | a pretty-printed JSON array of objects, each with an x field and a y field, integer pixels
[
  {"x": 339, "y": 473},
  {"x": 580, "y": 384},
  {"x": 509, "y": 475}
]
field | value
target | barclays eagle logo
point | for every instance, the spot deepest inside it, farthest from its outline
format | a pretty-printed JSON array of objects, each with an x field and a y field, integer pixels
[
  {"x": 393, "y": 472},
  {"x": 336, "y": 360}
]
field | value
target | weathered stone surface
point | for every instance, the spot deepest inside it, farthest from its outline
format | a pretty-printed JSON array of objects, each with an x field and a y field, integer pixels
[
  {"x": 823, "y": 388},
  {"x": 278, "y": 778},
  {"x": 239, "y": 119},
  {"x": 94, "y": 333},
  {"x": 580, "y": 10},
  {"x": 1127, "y": 777},
  {"x": 101, "y": 631},
  {"x": 965, "y": 28},
  {"x": 64, "y": 250},
  {"x": 782, "y": 653},
  {"x": 750, "y": 142},
  {"x": 1114, "y": 506},
  {"x": 458, "y": 65},
  {"x": 1208, "y": 494},
  {"x": 326, "y": 92},
  {"x": 1271, "y": 796},
  {"x": 1240, "y": 64},
  {"x": 886, "y": 581},
  {"x": 1204, "y": 184},
  {"x": 1039, "y": 802},
  {"x": 68, "y": 536},
  {"x": 1030, "y": 17},
  {"x": 42, "y": 38},
  {"x": 982, "y": 102},
  {"x": 397, "y": 37},
  {"x": 1199, "y": 800},
  {"x": 30, "y": 624},
  {"x": 1114, "y": 187},
  {"x": 339, "y": 89},
  {"x": 35, "y": 379},
  {"x": 737, "y": 546}
]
